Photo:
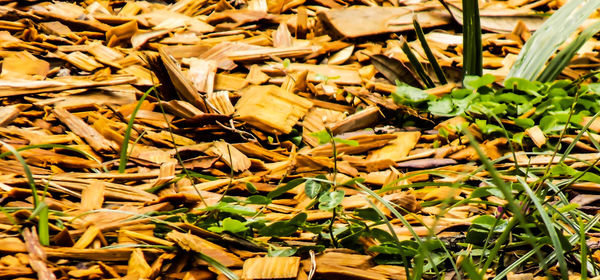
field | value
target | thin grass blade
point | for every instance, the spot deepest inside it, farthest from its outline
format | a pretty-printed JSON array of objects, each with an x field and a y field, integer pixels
[
  {"x": 562, "y": 263},
  {"x": 416, "y": 64},
  {"x": 546, "y": 39},
  {"x": 43, "y": 230},
  {"x": 472, "y": 51},
  {"x": 562, "y": 59},
  {"x": 439, "y": 73},
  {"x": 123, "y": 155}
]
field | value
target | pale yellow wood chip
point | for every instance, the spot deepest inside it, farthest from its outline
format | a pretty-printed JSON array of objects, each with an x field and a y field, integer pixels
[{"x": 271, "y": 268}]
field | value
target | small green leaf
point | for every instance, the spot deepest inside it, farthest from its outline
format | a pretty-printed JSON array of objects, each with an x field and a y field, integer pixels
[
  {"x": 323, "y": 136},
  {"x": 368, "y": 214},
  {"x": 279, "y": 229},
  {"x": 258, "y": 199},
  {"x": 233, "y": 225},
  {"x": 352, "y": 143},
  {"x": 441, "y": 107},
  {"x": 524, "y": 123},
  {"x": 475, "y": 82},
  {"x": 328, "y": 201},
  {"x": 288, "y": 252},
  {"x": 298, "y": 220},
  {"x": 407, "y": 94},
  {"x": 312, "y": 188},
  {"x": 250, "y": 187},
  {"x": 283, "y": 189}
]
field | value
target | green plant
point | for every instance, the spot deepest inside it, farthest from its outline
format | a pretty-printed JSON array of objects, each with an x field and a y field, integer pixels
[
  {"x": 548, "y": 37},
  {"x": 432, "y": 60},
  {"x": 40, "y": 208},
  {"x": 125, "y": 144},
  {"x": 472, "y": 52}
]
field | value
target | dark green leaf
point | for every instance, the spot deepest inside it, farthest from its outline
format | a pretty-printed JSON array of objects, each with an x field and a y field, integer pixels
[
  {"x": 258, "y": 199},
  {"x": 312, "y": 188},
  {"x": 328, "y": 201},
  {"x": 283, "y": 189},
  {"x": 279, "y": 229},
  {"x": 472, "y": 50}
]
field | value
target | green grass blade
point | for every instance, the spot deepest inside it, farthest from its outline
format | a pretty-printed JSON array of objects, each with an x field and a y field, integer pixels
[
  {"x": 564, "y": 272},
  {"x": 467, "y": 265},
  {"x": 516, "y": 263},
  {"x": 123, "y": 155},
  {"x": 546, "y": 39},
  {"x": 562, "y": 59},
  {"x": 43, "y": 230},
  {"x": 417, "y": 66},
  {"x": 220, "y": 267},
  {"x": 583, "y": 249},
  {"x": 399, "y": 216},
  {"x": 515, "y": 208},
  {"x": 472, "y": 50},
  {"x": 439, "y": 73},
  {"x": 28, "y": 174}
]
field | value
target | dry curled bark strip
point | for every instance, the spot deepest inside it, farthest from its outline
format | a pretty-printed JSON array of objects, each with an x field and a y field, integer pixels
[{"x": 37, "y": 255}]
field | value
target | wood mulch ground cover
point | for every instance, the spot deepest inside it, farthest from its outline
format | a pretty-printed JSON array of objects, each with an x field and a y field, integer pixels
[{"x": 202, "y": 179}]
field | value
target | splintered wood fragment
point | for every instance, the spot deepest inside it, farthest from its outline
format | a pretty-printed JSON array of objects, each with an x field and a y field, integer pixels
[
  {"x": 145, "y": 237},
  {"x": 271, "y": 268},
  {"x": 143, "y": 76},
  {"x": 220, "y": 103},
  {"x": 315, "y": 120},
  {"x": 537, "y": 136},
  {"x": 87, "y": 238},
  {"x": 266, "y": 53},
  {"x": 79, "y": 127},
  {"x": 271, "y": 109},
  {"x": 118, "y": 34},
  {"x": 82, "y": 61},
  {"x": 341, "y": 56},
  {"x": 366, "y": 21},
  {"x": 55, "y": 28},
  {"x": 106, "y": 55},
  {"x": 24, "y": 64},
  {"x": 137, "y": 267},
  {"x": 140, "y": 38},
  {"x": 230, "y": 155},
  {"x": 92, "y": 197},
  {"x": 256, "y": 76},
  {"x": 282, "y": 38},
  {"x": 166, "y": 174},
  {"x": 202, "y": 74},
  {"x": 21, "y": 87},
  {"x": 9, "y": 113},
  {"x": 15, "y": 245},
  {"x": 37, "y": 255},
  {"x": 344, "y": 75},
  {"x": 182, "y": 109},
  {"x": 229, "y": 82},
  {"x": 398, "y": 148},
  {"x": 194, "y": 243},
  {"x": 255, "y": 151},
  {"x": 362, "y": 119},
  {"x": 365, "y": 143},
  {"x": 183, "y": 85},
  {"x": 75, "y": 24},
  {"x": 594, "y": 125}
]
